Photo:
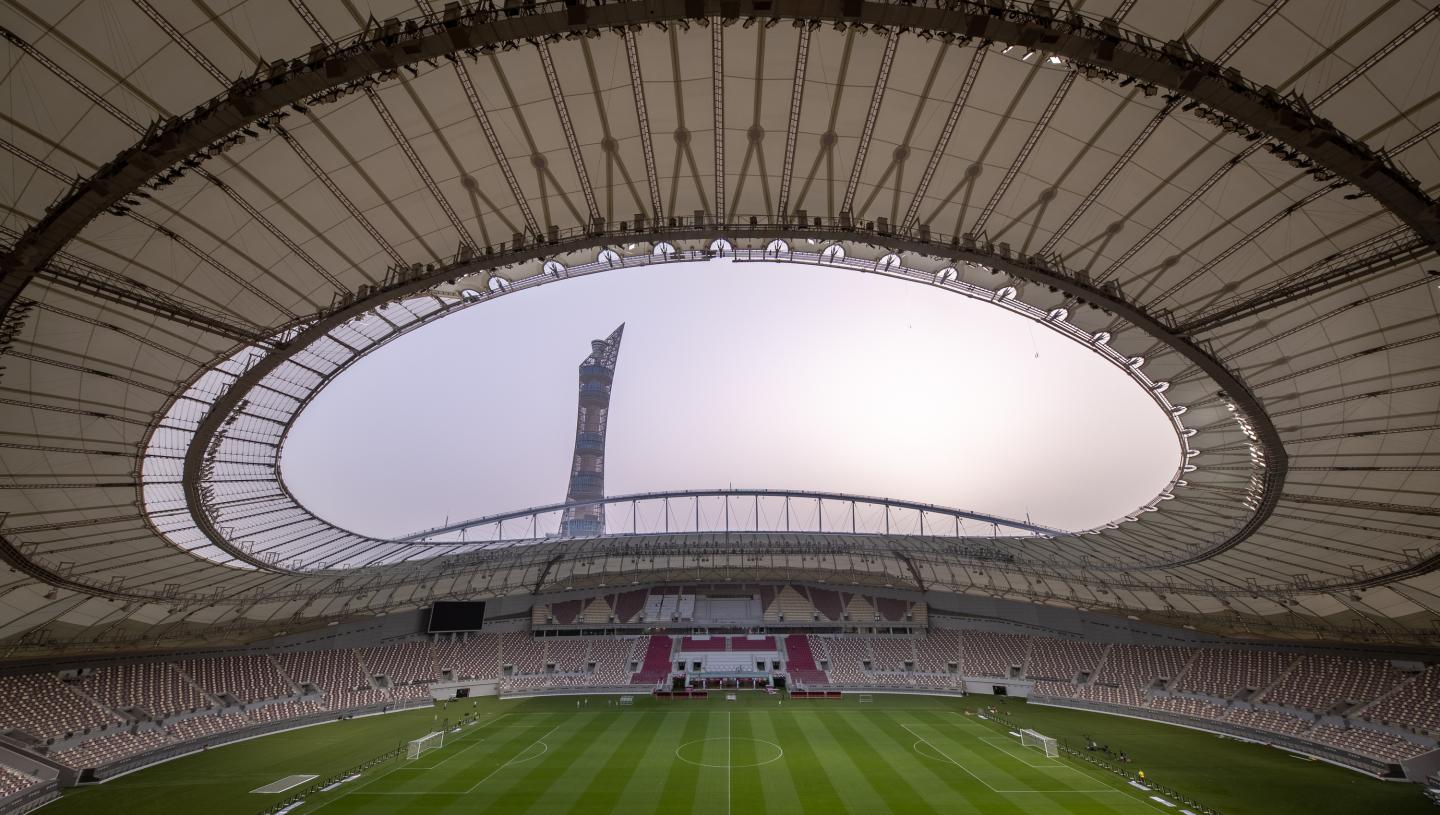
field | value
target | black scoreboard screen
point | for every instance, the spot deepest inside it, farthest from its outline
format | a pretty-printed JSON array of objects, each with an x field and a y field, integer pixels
[{"x": 456, "y": 616}]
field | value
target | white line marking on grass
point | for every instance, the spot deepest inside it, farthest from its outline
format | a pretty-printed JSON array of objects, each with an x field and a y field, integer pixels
[
  {"x": 513, "y": 760},
  {"x": 779, "y": 754},
  {"x": 286, "y": 783},
  {"x": 941, "y": 754},
  {"x": 727, "y": 762},
  {"x": 1104, "y": 778},
  {"x": 364, "y": 784}
]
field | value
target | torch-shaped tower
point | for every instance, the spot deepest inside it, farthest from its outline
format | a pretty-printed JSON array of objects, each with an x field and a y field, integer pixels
[{"x": 587, "y": 472}]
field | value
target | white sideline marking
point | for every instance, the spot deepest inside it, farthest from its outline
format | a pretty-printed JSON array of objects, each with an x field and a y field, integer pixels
[{"x": 289, "y": 782}]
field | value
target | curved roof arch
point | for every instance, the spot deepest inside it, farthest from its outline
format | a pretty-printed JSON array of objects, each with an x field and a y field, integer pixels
[{"x": 1246, "y": 193}]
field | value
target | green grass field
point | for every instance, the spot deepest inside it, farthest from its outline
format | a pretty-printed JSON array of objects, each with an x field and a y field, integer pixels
[{"x": 899, "y": 754}]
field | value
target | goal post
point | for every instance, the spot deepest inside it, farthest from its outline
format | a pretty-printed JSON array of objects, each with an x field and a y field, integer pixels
[
  {"x": 1029, "y": 738},
  {"x": 866, "y": 699},
  {"x": 429, "y": 741}
]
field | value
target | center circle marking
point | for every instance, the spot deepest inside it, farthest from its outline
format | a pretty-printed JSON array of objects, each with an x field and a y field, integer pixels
[{"x": 770, "y": 746}]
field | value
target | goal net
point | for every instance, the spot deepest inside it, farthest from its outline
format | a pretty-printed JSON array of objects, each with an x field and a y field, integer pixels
[
  {"x": 1029, "y": 738},
  {"x": 429, "y": 741},
  {"x": 866, "y": 699}
]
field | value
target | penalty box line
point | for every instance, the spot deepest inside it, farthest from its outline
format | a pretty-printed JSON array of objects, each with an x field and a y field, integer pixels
[
  {"x": 515, "y": 759},
  {"x": 992, "y": 787},
  {"x": 363, "y": 784},
  {"x": 487, "y": 726}
]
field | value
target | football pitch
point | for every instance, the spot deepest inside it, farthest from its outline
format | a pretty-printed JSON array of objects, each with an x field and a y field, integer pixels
[
  {"x": 749, "y": 759},
  {"x": 897, "y": 754}
]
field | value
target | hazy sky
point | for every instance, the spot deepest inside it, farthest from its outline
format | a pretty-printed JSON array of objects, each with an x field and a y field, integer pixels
[{"x": 757, "y": 375}]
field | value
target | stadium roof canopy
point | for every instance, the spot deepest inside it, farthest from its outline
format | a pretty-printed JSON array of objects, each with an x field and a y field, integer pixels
[{"x": 209, "y": 213}]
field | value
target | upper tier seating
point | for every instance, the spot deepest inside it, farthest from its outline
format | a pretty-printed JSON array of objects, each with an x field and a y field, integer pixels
[
  {"x": 1225, "y": 672},
  {"x": 629, "y": 604},
  {"x": 1319, "y": 682},
  {"x": 1416, "y": 705},
  {"x": 1136, "y": 666},
  {"x": 790, "y": 605},
  {"x": 155, "y": 687},
  {"x": 475, "y": 657},
  {"x": 246, "y": 678},
  {"x": 403, "y": 662},
  {"x": 984, "y": 653},
  {"x": 335, "y": 670},
  {"x": 1062, "y": 660},
  {"x": 829, "y": 604},
  {"x": 38, "y": 704}
]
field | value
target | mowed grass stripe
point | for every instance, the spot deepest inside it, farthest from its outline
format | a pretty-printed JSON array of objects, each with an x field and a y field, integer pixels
[
  {"x": 606, "y": 790},
  {"x": 856, "y": 790},
  {"x": 776, "y": 780},
  {"x": 1002, "y": 772},
  {"x": 592, "y": 767},
  {"x": 1084, "y": 794},
  {"x": 877, "y": 765},
  {"x": 801, "y": 766},
  {"x": 891, "y": 737},
  {"x": 472, "y": 759},
  {"x": 516, "y": 788},
  {"x": 1107, "y": 793},
  {"x": 683, "y": 789},
  {"x": 747, "y": 790},
  {"x": 650, "y": 762}
]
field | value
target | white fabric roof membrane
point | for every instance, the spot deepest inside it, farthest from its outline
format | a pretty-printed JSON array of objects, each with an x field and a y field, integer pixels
[{"x": 1305, "y": 271}]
